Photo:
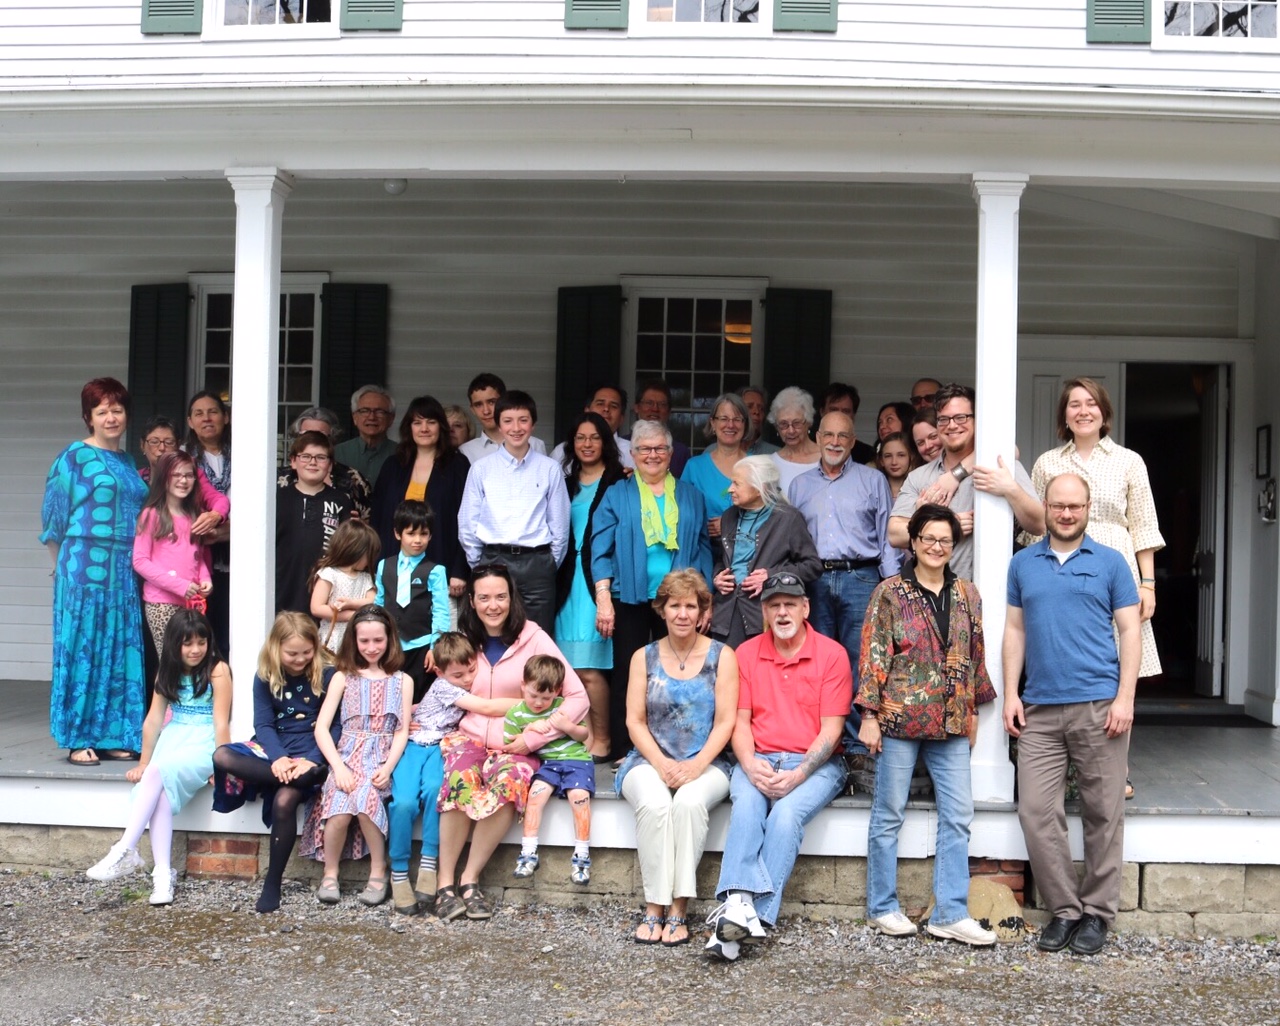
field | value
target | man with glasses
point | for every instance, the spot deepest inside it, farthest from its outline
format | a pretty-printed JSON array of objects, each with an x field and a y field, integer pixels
[
  {"x": 1064, "y": 593},
  {"x": 924, "y": 392},
  {"x": 838, "y": 397},
  {"x": 952, "y": 477},
  {"x": 794, "y": 691},
  {"x": 653, "y": 402},
  {"x": 610, "y": 402},
  {"x": 308, "y": 511},
  {"x": 373, "y": 411}
]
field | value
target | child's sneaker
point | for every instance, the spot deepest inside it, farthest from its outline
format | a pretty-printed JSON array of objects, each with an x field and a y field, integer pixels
[
  {"x": 525, "y": 865},
  {"x": 580, "y": 873},
  {"x": 163, "y": 882},
  {"x": 119, "y": 861}
]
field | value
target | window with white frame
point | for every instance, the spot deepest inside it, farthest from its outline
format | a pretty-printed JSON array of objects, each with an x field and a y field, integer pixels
[
  {"x": 705, "y": 11},
  {"x": 299, "y": 369},
  {"x": 702, "y": 336},
  {"x": 1242, "y": 19},
  {"x": 252, "y": 19}
]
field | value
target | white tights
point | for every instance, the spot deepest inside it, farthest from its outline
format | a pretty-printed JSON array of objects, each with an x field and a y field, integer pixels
[{"x": 151, "y": 807}]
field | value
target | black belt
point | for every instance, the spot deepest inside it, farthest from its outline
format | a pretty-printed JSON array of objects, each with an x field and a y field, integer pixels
[
  {"x": 849, "y": 564},
  {"x": 516, "y": 550}
]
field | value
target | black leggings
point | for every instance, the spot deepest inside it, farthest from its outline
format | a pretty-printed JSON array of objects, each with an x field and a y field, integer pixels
[{"x": 285, "y": 799}]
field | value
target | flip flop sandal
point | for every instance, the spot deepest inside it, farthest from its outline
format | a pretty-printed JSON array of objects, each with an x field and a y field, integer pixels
[
  {"x": 118, "y": 755},
  {"x": 652, "y": 923},
  {"x": 677, "y": 921},
  {"x": 91, "y": 757},
  {"x": 476, "y": 904}
]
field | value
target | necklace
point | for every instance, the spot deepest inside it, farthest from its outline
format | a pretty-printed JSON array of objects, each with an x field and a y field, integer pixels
[{"x": 676, "y": 655}]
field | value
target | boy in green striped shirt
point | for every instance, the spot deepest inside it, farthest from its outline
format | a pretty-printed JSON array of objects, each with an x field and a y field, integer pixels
[{"x": 567, "y": 768}]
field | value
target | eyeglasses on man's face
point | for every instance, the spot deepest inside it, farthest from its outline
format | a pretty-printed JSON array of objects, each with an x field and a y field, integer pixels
[
  {"x": 958, "y": 419},
  {"x": 372, "y": 411},
  {"x": 312, "y": 459},
  {"x": 1074, "y": 508},
  {"x": 924, "y": 400}
]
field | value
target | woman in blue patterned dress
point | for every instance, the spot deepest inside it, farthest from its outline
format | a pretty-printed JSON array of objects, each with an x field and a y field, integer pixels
[
  {"x": 682, "y": 703},
  {"x": 92, "y": 499}
]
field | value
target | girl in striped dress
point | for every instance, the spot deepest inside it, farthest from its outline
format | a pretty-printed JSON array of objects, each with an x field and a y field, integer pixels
[{"x": 373, "y": 699}]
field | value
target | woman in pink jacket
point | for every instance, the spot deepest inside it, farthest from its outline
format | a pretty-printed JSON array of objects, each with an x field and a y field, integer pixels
[{"x": 486, "y": 783}]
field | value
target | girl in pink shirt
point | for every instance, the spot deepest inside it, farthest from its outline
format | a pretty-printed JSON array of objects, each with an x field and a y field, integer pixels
[{"x": 173, "y": 566}]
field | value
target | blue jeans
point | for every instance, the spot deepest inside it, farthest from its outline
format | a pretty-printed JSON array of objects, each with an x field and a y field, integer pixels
[
  {"x": 415, "y": 786},
  {"x": 948, "y": 765},
  {"x": 838, "y": 602},
  {"x": 764, "y": 836}
]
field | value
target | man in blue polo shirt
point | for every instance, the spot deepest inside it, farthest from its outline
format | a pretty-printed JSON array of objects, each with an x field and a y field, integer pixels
[{"x": 1064, "y": 593}]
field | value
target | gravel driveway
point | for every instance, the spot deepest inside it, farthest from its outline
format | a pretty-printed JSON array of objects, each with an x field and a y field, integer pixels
[{"x": 72, "y": 951}]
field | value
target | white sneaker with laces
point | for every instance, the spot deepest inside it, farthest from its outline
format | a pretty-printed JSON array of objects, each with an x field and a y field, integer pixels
[
  {"x": 966, "y": 931},
  {"x": 163, "y": 881},
  {"x": 737, "y": 921},
  {"x": 894, "y": 924},
  {"x": 119, "y": 861},
  {"x": 722, "y": 949}
]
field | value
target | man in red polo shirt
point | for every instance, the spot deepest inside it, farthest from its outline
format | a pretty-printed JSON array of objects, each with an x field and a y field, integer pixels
[{"x": 794, "y": 694}]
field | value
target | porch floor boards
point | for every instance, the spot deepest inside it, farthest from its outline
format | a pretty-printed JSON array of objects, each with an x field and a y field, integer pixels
[{"x": 1193, "y": 769}]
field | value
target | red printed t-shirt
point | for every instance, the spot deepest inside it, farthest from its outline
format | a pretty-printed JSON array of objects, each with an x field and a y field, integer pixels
[{"x": 788, "y": 697}]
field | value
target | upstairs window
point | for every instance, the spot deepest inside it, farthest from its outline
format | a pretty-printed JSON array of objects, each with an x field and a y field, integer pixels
[
  {"x": 1252, "y": 20},
  {"x": 706, "y": 11},
  {"x": 275, "y": 12}
]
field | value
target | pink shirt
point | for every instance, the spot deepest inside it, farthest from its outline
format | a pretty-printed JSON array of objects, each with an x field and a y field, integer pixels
[
  {"x": 168, "y": 565},
  {"x": 787, "y": 698}
]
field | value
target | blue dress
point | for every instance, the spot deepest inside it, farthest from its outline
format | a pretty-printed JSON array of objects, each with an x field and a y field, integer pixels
[
  {"x": 704, "y": 475},
  {"x": 92, "y": 499},
  {"x": 583, "y": 646},
  {"x": 183, "y": 754}
]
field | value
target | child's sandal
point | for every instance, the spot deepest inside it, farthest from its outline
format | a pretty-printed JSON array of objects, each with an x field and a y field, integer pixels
[
  {"x": 448, "y": 904},
  {"x": 476, "y": 904},
  {"x": 328, "y": 893}
]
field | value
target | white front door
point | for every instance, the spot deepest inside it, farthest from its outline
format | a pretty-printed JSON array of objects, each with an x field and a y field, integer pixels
[{"x": 1039, "y": 385}]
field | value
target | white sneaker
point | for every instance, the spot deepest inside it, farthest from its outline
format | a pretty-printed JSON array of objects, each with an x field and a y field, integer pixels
[
  {"x": 737, "y": 921},
  {"x": 118, "y": 862},
  {"x": 966, "y": 931},
  {"x": 894, "y": 924},
  {"x": 162, "y": 884},
  {"x": 726, "y": 950}
]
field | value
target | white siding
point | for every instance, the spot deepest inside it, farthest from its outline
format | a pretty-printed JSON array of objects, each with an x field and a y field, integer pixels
[
  {"x": 1014, "y": 43},
  {"x": 474, "y": 267}
]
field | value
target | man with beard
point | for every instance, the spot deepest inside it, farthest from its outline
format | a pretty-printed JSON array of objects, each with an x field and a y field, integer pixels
[
  {"x": 1064, "y": 593},
  {"x": 795, "y": 688}
]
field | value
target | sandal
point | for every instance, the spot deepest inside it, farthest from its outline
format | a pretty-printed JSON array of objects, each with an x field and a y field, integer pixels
[
  {"x": 676, "y": 923},
  {"x": 1128, "y": 789},
  {"x": 476, "y": 904},
  {"x": 328, "y": 893},
  {"x": 118, "y": 755},
  {"x": 651, "y": 924},
  {"x": 88, "y": 757},
  {"x": 448, "y": 904}
]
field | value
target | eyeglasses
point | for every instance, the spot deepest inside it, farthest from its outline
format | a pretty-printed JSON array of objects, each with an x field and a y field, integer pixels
[
  {"x": 182, "y": 477},
  {"x": 651, "y": 450},
  {"x": 728, "y": 420},
  {"x": 311, "y": 459},
  {"x": 929, "y": 542},
  {"x": 958, "y": 419},
  {"x": 1074, "y": 508},
  {"x": 160, "y": 443},
  {"x": 791, "y": 425},
  {"x": 585, "y": 439},
  {"x": 371, "y": 411},
  {"x": 924, "y": 400}
]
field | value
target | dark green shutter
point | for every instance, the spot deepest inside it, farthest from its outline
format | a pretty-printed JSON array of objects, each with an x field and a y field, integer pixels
[
  {"x": 589, "y": 14},
  {"x": 1118, "y": 21},
  {"x": 588, "y": 347},
  {"x": 157, "y": 355},
  {"x": 387, "y": 15},
  {"x": 172, "y": 17},
  {"x": 797, "y": 339},
  {"x": 805, "y": 15},
  {"x": 353, "y": 343}
]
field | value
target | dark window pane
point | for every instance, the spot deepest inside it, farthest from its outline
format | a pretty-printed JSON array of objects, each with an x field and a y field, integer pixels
[
  {"x": 299, "y": 347},
  {"x": 681, "y": 389},
  {"x": 649, "y": 353},
  {"x": 679, "y": 315},
  {"x": 733, "y": 382},
  {"x": 649, "y": 316},
  {"x": 737, "y": 312},
  {"x": 217, "y": 347},
  {"x": 737, "y": 357},
  {"x": 681, "y": 425},
  {"x": 679, "y": 352},
  {"x": 705, "y": 388},
  {"x": 218, "y": 381},
  {"x": 706, "y": 355},
  {"x": 219, "y": 310},
  {"x": 297, "y": 385},
  {"x": 302, "y": 310},
  {"x": 710, "y": 316}
]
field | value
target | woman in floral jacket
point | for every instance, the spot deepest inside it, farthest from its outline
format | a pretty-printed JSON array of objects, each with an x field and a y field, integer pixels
[{"x": 922, "y": 675}]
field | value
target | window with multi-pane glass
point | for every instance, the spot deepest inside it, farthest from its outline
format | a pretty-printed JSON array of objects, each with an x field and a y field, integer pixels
[
  {"x": 705, "y": 11},
  {"x": 1225, "y": 18}
]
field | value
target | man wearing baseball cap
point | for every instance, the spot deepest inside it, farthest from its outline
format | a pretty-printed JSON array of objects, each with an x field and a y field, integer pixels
[{"x": 795, "y": 688}]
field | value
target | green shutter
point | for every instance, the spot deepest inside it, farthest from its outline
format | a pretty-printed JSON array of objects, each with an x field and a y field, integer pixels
[
  {"x": 805, "y": 15},
  {"x": 353, "y": 343},
  {"x": 387, "y": 15},
  {"x": 1118, "y": 21},
  {"x": 589, "y": 14},
  {"x": 172, "y": 17},
  {"x": 797, "y": 339},
  {"x": 157, "y": 355},
  {"x": 588, "y": 347}
]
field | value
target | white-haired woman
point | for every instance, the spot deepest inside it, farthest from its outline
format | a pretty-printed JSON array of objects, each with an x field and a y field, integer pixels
[
  {"x": 792, "y": 414},
  {"x": 761, "y": 534}
]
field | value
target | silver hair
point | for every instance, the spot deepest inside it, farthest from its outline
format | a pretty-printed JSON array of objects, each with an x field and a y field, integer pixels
[
  {"x": 792, "y": 398},
  {"x": 643, "y": 429},
  {"x": 763, "y": 476},
  {"x": 734, "y": 400},
  {"x": 364, "y": 390},
  {"x": 318, "y": 413}
]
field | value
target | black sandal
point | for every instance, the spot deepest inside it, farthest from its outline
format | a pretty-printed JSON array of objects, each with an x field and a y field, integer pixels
[
  {"x": 448, "y": 905},
  {"x": 476, "y": 904}
]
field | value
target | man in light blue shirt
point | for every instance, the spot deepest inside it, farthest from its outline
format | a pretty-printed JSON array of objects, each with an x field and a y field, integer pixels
[
  {"x": 846, "y": 506},
  {"x": 515, "y": 510}
]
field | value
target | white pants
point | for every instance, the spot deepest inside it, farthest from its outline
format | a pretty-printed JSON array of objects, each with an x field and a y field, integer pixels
[{"x": 671, "y": 828}]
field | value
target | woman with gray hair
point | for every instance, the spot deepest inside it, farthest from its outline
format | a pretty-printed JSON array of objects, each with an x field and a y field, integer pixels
[
  {"x": 342, "y": 477},
  {"x": 792, "y": 413},
  {"x": 730, "y": 426},
  {"x": 761, "y": 534}
]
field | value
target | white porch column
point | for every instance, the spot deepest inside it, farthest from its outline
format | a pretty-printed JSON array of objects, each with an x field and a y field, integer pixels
[
  {"x": 260, "y": 194},
  {"x": 998, "y": 195}
]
